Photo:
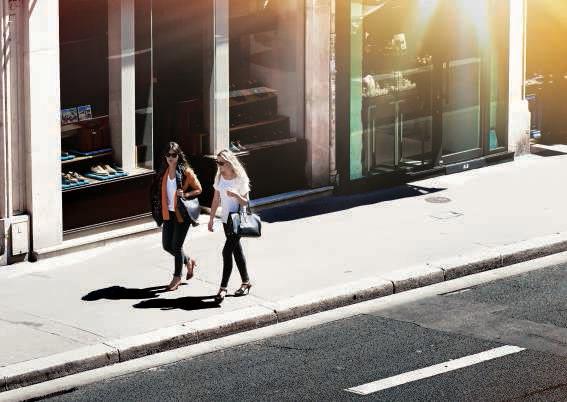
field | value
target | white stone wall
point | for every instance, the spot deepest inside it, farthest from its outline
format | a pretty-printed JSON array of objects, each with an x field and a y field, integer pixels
[
  {"x": 519, "y": 114},
  {"x": 3, "y": 158},
  {"x": 42, "y": 121}
]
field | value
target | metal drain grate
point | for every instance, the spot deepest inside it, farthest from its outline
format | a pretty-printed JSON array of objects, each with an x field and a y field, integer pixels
[{"x": 438, "y": 200}]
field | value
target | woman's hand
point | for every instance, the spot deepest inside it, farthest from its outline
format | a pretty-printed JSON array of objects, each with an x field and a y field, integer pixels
[
  {"x": 180, "y": 193},
  {"x": 211, "y": 223},
  {"x": 233, "y": 194}
]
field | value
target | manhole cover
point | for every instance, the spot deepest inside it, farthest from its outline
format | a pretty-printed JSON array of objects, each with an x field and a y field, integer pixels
[{"x": 438, "y": 200}]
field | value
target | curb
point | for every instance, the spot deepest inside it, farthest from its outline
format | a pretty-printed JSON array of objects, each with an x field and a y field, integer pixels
[{"x": 121, "y": 350}]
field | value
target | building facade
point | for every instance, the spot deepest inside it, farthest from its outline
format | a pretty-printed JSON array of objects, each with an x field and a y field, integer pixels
[{"x": 309, "y": 93}]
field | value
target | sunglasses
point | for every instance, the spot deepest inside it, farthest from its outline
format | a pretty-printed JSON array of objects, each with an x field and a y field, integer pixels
[
  {"x": 171, "y": 155},
  {"x": 220, "y": 163}
]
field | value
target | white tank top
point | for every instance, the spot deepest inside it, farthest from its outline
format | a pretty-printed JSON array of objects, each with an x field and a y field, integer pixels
[{"x": 171, "y": 190}]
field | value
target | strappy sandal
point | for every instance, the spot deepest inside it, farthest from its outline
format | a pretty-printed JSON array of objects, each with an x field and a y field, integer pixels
[
  {"x": 244, "y": 290},
  {"x": 191, "y": 265},
  {"x": 175, "y": 282},
  {"x": 221, "y": 295}
]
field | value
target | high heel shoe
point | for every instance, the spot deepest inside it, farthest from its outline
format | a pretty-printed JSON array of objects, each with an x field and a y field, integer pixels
[
  {"x": 221, "y": 295},
  {"x": 175, "y": 282},
  {"x": 244, "y": 289},
  {"x": 191, "y": 265}
]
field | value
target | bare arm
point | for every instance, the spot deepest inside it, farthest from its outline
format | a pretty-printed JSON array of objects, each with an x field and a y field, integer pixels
[
  {"x": 191, "y": 183},
  {"x": 214, "y": 207}
]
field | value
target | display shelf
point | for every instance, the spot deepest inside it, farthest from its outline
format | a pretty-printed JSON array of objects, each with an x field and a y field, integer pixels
[
  {"x": 246, "y": 126},
  {"x": 80, "y": 124},
  {"x": 269, "y": 144},
  {"x": 70, "y": 127},
  {"x": 84, "y": 158},
  {"x": 95, "y": 183}
]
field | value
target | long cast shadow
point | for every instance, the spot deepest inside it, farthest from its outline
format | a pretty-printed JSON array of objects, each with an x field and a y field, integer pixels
[
  {"x": 189, "y": 303},
  {"x": 122, "y": 293},
  {"x": 337, "y": 203}
]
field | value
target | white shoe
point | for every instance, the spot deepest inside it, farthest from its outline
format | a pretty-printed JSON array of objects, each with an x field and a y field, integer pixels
[
  {"x": 99, "y": 170},
  {"x": 108, "y": 169}
]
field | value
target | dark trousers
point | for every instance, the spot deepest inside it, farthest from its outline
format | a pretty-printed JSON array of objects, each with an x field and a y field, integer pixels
[
  {"x": 232, "y": 247},
  {"x": 173, "y": 236}
]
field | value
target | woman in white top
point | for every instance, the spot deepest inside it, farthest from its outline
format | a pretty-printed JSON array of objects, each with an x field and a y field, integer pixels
[{"x": 232, "y": 188}]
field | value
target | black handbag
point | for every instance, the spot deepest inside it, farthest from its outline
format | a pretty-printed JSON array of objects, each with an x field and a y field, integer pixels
[
  {"x": 190, "y": 206},
  {"x": 193, "y": 209},
  {"x": 245, "y": 223}
]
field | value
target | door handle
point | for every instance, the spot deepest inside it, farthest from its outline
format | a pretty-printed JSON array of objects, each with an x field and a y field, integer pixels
[{"x": 445, "y": 84}]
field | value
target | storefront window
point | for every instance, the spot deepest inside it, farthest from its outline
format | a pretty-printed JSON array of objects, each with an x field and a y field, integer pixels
[
  {"x": 391, "y": 81},
  {"x": 107, "y": 109},
  {"x": 267, "y": 92},
  {"x": 499, "y": 65},
  {"x": 419, "y": 73},
  {"x": 106, "y": 90},
  {"x": 182, "y": 43},
  {"x": 144, "y": 84}
]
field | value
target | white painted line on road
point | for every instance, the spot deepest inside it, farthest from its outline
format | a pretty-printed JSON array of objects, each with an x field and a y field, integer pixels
[{"x": 431, "y": 371}]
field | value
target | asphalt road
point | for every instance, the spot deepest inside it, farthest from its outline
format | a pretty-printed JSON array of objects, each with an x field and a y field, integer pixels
[{"x": 319, "y": 364}]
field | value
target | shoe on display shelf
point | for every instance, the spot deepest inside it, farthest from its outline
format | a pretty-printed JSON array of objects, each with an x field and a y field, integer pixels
[
  {"x": 233, "y": 147},
  {"x": 77, "y": 176},
  {"x": 66, "y": 156},
  {"x": 97, "y": 169},
  {"x": 105, "y": 172},
  {"x": 70, "y": 178},
  {"x": 108, "y": 169},
  {"x": 239, "y": 145}
]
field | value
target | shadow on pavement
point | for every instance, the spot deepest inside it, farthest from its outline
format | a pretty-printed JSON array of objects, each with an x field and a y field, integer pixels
[
  {"x": 182, "y": 303},
  {"x": 545, "y": 152},
  {"x": 337, "y": 203},
  {"x": 122, "y": 293}
]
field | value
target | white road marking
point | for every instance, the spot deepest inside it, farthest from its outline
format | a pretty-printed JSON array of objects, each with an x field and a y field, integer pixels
[{"x": 431, "y": 371}]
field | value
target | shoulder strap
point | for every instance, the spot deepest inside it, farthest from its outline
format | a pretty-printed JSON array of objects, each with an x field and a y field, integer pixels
[{"x": 179, "y": 177}]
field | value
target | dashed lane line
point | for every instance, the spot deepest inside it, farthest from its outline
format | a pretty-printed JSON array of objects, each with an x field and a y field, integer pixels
[{"x": 431, "y": 371}]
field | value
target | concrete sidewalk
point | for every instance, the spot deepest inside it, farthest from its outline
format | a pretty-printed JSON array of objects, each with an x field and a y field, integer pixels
[{"x": 102, "y": 306}]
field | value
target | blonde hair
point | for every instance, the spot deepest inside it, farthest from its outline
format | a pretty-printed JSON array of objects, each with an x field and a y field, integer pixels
[{"x": 235, "y": 164}]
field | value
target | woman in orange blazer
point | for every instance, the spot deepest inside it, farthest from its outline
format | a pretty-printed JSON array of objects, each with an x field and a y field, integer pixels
[{"x": 176, "y": 179}]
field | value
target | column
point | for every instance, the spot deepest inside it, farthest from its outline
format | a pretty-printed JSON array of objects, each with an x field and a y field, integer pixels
[
  {"x": 42, "y": 121},
  {"x": 216, "y": 78},
  {"x": 519, "y": 114},
  {"x": 317, "y": 90},
  {"x": 3, "y": 156},
  {"x": 122, "y": 81}
]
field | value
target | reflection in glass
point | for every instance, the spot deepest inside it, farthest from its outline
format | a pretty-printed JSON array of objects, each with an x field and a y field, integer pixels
[
  {"x": 427, "y": 78},
  {"x": 394, "y": 68},
  {"x": 144, "y": 84}
]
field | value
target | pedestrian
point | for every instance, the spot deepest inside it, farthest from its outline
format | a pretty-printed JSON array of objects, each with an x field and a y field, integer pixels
[
  {"x": 232, "y": 188},
  {"x": 174, "y": 180}
]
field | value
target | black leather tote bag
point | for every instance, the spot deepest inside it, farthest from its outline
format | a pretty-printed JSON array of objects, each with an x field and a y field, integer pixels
[{"x": 245, "y": 223}]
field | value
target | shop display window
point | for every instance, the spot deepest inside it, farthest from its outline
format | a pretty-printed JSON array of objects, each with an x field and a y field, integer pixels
[
  {"x": 92, "y": 61},
  {"x": 427, "y": 83},
  {"x": 267, "y": 90},
  {"x": 106, "y": 80},
  {"x": 182, "y": 44}
]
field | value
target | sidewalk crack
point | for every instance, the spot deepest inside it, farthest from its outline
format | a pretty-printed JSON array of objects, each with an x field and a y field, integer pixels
[
  {"x": 293, "y": 348},
  {"x": 64, "y": 324}
]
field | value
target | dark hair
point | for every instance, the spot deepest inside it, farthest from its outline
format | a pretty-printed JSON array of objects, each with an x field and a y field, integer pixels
[{"x": 181, "y": 159}]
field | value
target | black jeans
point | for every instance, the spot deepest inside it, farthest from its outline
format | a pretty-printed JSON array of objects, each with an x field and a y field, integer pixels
[
  {"x": 232, "y": 247},
  {"x": 173, "y": 236}
]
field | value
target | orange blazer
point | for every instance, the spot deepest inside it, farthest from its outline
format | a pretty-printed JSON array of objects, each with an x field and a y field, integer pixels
[{"x": 191, "y": 181}]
